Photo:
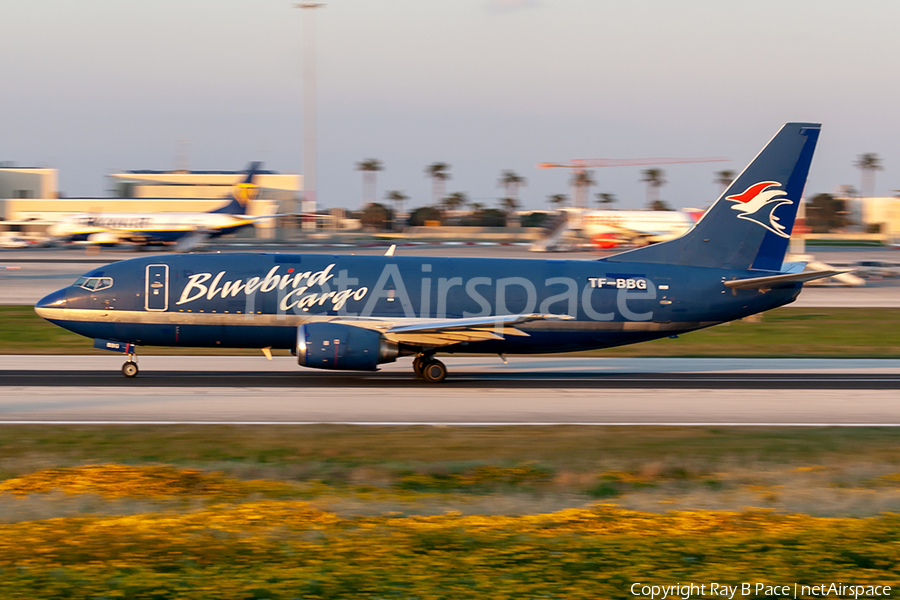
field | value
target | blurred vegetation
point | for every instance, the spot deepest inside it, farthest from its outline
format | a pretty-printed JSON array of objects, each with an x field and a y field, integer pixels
[
  {"x": 826, "y": 214},
  {"x": 223, "y": 539},
  {"x": 784, "y": 332},
  {"x": 484, "y": 217},
  {"x": 534, "y": 219},
  {"x": 377, "y": 216},
  {"x": 143, "y": 511},
  {"x": 419, "y": 216}
]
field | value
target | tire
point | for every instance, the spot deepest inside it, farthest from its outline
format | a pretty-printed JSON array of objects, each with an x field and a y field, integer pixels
[
  {"x": 130, "y": 369},
  {"x": 434, "y": 371},
  {"x": 418, "y": 362}
]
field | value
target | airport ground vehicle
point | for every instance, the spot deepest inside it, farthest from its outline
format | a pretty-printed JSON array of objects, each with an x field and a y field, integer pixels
[
  {"x": 356, "y": 312},
  {"x": 875, "y": 268},
  {"x": 15, "y": 241}
]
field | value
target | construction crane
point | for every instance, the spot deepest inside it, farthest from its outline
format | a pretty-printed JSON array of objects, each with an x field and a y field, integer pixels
[{"x": 579, "y": 165}]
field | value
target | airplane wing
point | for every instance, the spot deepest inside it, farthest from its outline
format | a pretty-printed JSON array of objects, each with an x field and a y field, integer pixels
[
  {"x": 262, "y": 217},
  {"x": 248, "y": 219},
  {"x": 444, "y": 332}
]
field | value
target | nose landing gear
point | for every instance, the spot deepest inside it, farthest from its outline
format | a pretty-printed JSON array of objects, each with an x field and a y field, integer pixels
[
  {"x": 429, "y": 368},
  {"x": 130, "y": 368}
]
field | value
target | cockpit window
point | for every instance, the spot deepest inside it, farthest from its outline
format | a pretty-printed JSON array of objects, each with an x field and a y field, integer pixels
[{"x": 94, "y": 284}]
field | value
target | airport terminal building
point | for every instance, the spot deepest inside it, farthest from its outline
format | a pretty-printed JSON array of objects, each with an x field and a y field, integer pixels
[{"x": 30, "y": 201}]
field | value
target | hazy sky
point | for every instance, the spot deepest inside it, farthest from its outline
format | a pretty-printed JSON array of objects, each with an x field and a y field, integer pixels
[{"x": 100, "y": 85}]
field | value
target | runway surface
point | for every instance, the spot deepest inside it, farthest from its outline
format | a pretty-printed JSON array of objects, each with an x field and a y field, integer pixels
[{"x": 478, "y": 391}]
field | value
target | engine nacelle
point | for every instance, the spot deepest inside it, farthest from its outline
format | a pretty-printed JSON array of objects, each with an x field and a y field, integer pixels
[
  {"x": 103, "y": 237},
  {"x": 336, "y": 346}
]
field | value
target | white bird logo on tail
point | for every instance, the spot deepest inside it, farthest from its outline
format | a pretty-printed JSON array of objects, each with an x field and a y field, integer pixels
[{"x": 758, "y": 204}]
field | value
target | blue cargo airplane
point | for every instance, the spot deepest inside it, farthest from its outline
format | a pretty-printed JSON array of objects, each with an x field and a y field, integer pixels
[
  {"x": 186, "y": 229},
  {"x": 356, "y": 312}
]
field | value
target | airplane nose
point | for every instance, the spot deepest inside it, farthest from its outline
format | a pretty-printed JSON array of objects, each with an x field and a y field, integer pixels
[{"x": 53, "y": 300}]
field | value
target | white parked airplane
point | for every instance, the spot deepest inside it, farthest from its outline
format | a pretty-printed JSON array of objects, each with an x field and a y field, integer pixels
[
  {"x": 186, "y": 230},
  {"x": 612, "y": 228}
]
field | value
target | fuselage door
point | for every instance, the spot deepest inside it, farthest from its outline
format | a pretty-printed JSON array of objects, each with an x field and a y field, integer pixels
[
  {"x": 669, "y": 301},
  {"x": 156, "y": 288}
]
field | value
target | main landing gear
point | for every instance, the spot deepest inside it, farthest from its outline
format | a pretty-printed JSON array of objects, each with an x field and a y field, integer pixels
[
  {"x": 429, "y": 368},
  {"x": 130, "y": 368}
]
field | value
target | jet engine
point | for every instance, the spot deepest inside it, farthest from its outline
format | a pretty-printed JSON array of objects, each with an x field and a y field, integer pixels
[
  {"x": 103, "y": 237},
  {"x": 336, "y": 346}
]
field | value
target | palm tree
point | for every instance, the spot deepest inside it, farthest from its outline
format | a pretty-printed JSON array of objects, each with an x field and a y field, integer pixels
[
  {"x": 512, "y": 181},
  {"x": 476, "y": 213},
  {"x": 558, "y": 200},
  {"x": 455, "y": 200},
  {"x": 605, "y": 199},
  {"x": 582, "y": 181},
  {"x": 397, "y": 197},
  {"x": 369, "y": 167},
  {"x": 724, "y": 178},
  {"x": 439, "y": 175},
  {"x": 451, "y": 204},
  {"x": 868, "y": 163},
  {"x": 510, "y": 205},
  {"x": 848, "y": 191},
  {"x": 655, "y": 179}
]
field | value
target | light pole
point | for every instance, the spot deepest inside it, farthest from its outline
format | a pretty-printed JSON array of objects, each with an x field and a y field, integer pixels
[{"x": 308, "y": 206}]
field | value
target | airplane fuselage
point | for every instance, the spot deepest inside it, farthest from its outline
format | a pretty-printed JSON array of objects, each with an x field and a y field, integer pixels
[
  {"x": 636, "y": 222},
  {"x": 259, "y": 300},
  {"x": 356, "y": 312},
  {"x": 154, "y": 227}
]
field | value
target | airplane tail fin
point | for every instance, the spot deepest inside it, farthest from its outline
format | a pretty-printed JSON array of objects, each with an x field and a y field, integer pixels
[
  {"x": 749, "y": 226},
  {"x": 242, "y": 193}
]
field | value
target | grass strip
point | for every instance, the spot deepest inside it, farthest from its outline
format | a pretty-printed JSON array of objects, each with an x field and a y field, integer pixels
[
  {"x": 338, "y": 449},
  {"x": 821, "y": 471},
  {"x": 784, "y": 332}
]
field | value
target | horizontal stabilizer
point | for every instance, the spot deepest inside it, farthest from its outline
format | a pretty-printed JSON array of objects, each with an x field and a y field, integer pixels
[{"x": 774, "y": 281}]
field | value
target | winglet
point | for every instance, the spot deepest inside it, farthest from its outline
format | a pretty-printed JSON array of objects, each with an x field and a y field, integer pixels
[{"x": 390, "y": 251}]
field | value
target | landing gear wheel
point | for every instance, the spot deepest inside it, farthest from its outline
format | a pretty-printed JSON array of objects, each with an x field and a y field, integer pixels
[
  {"x": 418, "y": 363},
  {"x": 130, "y": 369},
  {"x": 434, "y": 371}
]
